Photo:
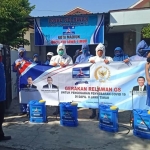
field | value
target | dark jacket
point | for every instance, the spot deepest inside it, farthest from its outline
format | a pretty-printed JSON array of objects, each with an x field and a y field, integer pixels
[
  {"x": 2, "y": 83},
  {"x": 53, "y": 86},
  {"x": 28, "y": 86},
  {"x": 136, "y": 88}
]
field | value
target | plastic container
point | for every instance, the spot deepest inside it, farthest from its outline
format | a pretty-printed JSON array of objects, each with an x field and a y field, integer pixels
[
  {"x": 108, "y": 119},
  {"x": 37, "y": 111},
  {"x": 68, "y": 115},
  {"x": 141, "y": 117}
]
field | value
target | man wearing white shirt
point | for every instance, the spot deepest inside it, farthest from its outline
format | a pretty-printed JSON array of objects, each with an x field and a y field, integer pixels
[
  {"x": 141, "y": 87},
  {"x": 62, "y": 59},
  {"x": 50, "y": 85}
]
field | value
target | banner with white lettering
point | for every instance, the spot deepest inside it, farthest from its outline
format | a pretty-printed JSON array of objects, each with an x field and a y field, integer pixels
[
  {"x": 70, "y": 30},
  {"x": 87, "y": 84}
]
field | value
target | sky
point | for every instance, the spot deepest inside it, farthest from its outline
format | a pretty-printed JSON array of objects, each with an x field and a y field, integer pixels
[{"x": 60, "y": 7}]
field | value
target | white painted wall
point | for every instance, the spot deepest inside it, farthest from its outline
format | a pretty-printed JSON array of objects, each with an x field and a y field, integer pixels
[{"x": 130, "y": 17}]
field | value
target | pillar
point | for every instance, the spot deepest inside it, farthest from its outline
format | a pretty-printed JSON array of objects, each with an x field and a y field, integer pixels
[{"x": 138, "y": 34}]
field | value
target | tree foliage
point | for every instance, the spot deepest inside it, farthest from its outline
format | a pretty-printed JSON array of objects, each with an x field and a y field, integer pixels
[
  {"x": 146, "y": 31},
  {"x": 13, "y": 21}
]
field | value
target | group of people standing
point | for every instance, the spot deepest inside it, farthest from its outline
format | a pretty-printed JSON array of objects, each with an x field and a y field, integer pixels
[
  {"x": 82, "y": 56},
  {"x": 62, "y": 59}
]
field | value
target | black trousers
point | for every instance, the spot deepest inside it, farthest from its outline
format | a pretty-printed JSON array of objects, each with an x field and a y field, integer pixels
[
  {"x": 2, "y": 112},
  {"x": 93, "y": 111},
  {"x": 57, "y": 109}
]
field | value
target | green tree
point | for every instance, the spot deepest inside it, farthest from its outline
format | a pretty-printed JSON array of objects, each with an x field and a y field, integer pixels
[
  {"x": 14, "y": 22},
  {"x": 146, "y": 31}
]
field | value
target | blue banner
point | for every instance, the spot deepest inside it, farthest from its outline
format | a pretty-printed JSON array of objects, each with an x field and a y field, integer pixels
[
  {"x": 87, "y": 84},
  {"x": 70, "y": 30}
]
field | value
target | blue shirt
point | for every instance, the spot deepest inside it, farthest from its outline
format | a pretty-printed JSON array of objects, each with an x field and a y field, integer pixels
[
  {"x": 2, "y": 83},
  {"x": 137, "y": 58},
  {"x": 83, "y": 58},
  {"x": 148, "y": 95},
  {"x": 47, "y": 62}
]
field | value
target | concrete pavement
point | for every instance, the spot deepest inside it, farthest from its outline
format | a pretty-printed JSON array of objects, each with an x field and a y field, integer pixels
[{"x": 52, "y": 136}]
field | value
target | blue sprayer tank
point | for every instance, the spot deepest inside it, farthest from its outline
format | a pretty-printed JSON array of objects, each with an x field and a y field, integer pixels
[
  {"x": 68, "y": 115},
  {"x": 141, "y": 123},
  {"x": 37, "y": 111},
  {"x": 108, "y": 118}
]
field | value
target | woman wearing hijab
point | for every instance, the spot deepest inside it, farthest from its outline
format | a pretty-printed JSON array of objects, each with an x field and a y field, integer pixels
[
  {"x": 120, "y": 55},
  {"x": 84, "y": 57},
  {"x": 147, "y": 69},
  {"x": 140, "y": 52}
]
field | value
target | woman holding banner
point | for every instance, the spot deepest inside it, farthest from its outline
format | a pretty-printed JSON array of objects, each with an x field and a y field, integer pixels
[
  {"x": 119, "y": 55},
  {"x": 84, "y": 57},
  {"x": 147, "y": 69},
  {"x": 141, "y": 53}
]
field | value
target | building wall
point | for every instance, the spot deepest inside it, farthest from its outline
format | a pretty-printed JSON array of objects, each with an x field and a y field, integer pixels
[
  {"x": 113, "y": 40},
  {"x": 129, "y": 43},
  {"x": 146, "y": 5},
  {"x": 27, "y": 36},
  {"x": 141, "y": 4},
  {"x": 40, "y": 50},
  {"x": 130, "y": 17},
  {"x": 77, "y": 11}
]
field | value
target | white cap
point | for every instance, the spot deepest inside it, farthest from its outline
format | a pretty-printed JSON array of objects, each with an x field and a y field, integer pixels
[{"x": 50, "y": 53}]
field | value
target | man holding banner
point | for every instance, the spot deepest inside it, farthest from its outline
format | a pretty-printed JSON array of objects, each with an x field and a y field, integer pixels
[
  {"x": 63, "y": 60},
  {"x": 16, "y": 65}
]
